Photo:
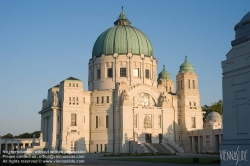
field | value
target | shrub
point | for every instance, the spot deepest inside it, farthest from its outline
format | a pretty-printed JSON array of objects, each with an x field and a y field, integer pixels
[{"x": 195, "y": 160}]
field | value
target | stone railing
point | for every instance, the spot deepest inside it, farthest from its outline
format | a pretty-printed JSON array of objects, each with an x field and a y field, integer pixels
[
  {"x": 168, "y": 148},
  {"x": 174, "y": 145},
  {"x": 151, "y": 147},
  {"x": 145, "y": 148}
]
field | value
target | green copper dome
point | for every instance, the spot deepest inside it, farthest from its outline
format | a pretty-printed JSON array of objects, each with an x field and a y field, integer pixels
[
  {"x": 186, "y": 66},
  {"x": 122, "y": 39},
  {"x": 164, "y": 74}
]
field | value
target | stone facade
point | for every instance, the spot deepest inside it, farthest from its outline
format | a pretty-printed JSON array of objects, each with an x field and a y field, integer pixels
[
  {"x": 126, "y": 104},
  {"x": 120, "y": 111},
  {"x": 236, "y": 95}
]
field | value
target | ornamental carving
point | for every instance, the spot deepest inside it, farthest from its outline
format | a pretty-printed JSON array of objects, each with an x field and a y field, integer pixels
[
  {"x": 148, "y": 121},
  {"x": 98, "y": 66},
  {"x": 137, "y": 64},
  {"x": 135, "y": 121},
  {"x": 143, "y": 99},
  {"x": 123, "y": 64},
  {"x": 101, "y": 121},
  {"x": 159, "y": 121},
  {"x": 148, "y": 65},
  {"x": 109, "y": 64}
]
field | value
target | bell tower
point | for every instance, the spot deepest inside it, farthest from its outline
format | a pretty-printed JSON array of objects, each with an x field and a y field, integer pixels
[{"x": 189, "y": 109}]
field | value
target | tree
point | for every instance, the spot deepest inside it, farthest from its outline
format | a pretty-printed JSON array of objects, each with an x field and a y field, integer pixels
[
  {"x": 207, "y": 110},
  {"x": 29, "y": 135},
  {"x": 215, "y": 107},
  {"x": 37, "y": 134},
  {"x": 9, "y": 135}
]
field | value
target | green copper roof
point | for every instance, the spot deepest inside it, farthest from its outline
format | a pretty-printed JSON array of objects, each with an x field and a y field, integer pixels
[
  {"x": 164, "y": 74},
  {"x": 122, "y": 39},
  {"x": 186, "y": 66}
]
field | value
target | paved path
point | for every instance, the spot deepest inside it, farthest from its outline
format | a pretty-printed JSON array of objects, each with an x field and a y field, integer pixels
[{"x": 95, "y": 159}]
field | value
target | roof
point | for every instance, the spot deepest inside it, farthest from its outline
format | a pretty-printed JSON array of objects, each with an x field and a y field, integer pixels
[
  {"x": 72, "y": 78},
  {"x": 242, "y": 30},
  {"x": 164, "y": 74},
  {"x": 122, "y": 39},
  {"x": 56, "y": 86},
  {"x": 186, "y": 66}
]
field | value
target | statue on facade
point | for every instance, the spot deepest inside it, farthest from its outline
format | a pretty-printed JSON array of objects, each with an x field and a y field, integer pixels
[
  {"x": 44, "y": 103},
  {"x": 41, "y": 137},
  {"x": 101, "y": 121},
  {"x": 163, "y": 100},
  {"x": 125, "y": 95},
  {"x": 125, "y": 99},
  {"x": 55, "y": 98}
]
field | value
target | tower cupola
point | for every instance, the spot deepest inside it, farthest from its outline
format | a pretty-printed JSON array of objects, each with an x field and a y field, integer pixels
[{"x": 186, "y": 66}]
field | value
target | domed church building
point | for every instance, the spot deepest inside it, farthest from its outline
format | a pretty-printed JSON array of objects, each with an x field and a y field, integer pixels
[{"x": 128, "y": 106}]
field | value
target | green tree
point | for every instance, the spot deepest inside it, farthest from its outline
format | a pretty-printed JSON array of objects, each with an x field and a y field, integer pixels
[
  {"x": 9, "y": 135},
  {"x": 215, "y": 107},
  {"x": 207, "y": 110},
  {"x": 37, "y": 134},
  {"x": 29, "y": 135}
]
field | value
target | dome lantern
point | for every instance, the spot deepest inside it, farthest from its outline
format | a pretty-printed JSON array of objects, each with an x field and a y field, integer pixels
[{"x": 122, "y": 19}]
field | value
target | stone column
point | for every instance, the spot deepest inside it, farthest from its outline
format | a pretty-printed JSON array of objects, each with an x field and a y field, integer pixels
[
  {"x": 199, "y": 144},
  {"x": 12, "y": 147},
  {"x": 6, "y": 146},
  {"x": 103, "y": 71},
  {"x": 219, "y": 139},
  {"x": 18, "y": 145},
  {"x": 54, "y": 130},
  {"x": 193, "y": 145},
  {"x": 46, "y": 129}
]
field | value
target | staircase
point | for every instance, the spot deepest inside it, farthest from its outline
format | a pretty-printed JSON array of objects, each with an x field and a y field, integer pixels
[
  {"x": 151, "y": 147},
  {"x": 174, "y": 146},
  {"x": 146, "y": 149},
  {"x": 160, "y": 148}
]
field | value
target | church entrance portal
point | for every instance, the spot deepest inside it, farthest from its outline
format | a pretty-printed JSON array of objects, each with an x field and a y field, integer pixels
[{"x": 148, "y": 138}]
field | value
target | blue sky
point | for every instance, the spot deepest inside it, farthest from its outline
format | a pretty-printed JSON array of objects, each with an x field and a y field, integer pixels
[{"x": 45, "y": 42}]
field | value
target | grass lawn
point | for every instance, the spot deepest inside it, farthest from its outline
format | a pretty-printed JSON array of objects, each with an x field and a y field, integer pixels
[{"x": 170, "y": 160}]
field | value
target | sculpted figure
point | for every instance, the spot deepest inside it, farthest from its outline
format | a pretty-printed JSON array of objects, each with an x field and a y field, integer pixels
[
  {"x": 55, "y": 98},
  {"x": 125, "y": 95},
  {"x": 41, "y": 136},
  {"x": 44, "y": 103}
]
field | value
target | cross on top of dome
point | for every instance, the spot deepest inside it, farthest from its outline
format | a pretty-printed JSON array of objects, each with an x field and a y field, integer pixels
[{"x": 122, "y": 19}]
